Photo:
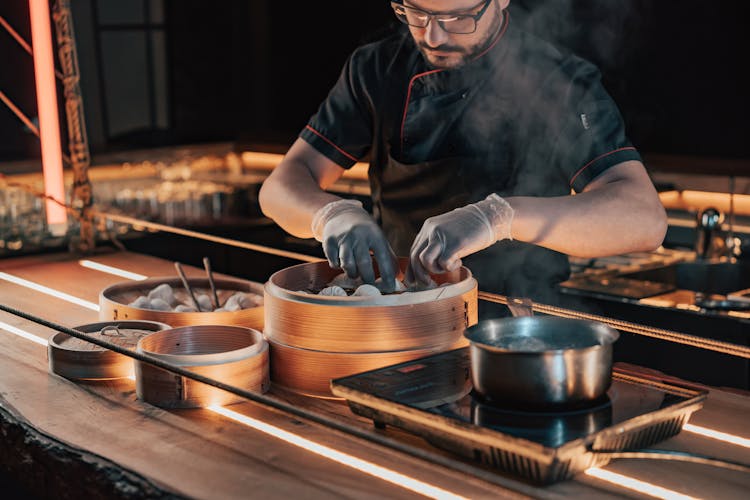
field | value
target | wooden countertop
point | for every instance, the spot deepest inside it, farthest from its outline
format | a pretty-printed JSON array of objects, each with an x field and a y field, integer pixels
[{"x": 63, "y": 430}]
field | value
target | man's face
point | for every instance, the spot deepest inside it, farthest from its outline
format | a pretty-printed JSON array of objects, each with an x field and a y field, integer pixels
[{"x": 450, "y": 50}]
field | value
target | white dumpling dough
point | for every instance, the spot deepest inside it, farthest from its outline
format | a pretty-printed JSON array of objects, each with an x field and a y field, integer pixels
[
  {"x": 205, "y": 302},
  {"x": 366, "y": 291},
  {"x": 163, "y": 292},
  {"x": 333, "y": 291},
  {"x": 141, "y": 302},
  {"x": 160, "y": 305},
  {"x": 182, "y": 308}
]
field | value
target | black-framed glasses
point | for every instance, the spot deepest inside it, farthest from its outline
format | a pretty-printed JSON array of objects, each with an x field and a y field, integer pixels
[{"x": 457, "y": 23}]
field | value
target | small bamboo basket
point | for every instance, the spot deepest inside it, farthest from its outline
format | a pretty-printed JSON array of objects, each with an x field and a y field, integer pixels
[{"x": 230, "y": 354}]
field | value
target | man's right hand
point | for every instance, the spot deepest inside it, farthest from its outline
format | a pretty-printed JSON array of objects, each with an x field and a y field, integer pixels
[{"x": 348, "y": 233}]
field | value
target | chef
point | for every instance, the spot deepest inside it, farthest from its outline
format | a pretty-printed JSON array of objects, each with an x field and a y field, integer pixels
[{"x": 487, "y": 147}]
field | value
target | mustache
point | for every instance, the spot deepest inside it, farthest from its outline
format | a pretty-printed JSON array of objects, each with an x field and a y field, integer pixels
[{"x": 441, "y": 48}]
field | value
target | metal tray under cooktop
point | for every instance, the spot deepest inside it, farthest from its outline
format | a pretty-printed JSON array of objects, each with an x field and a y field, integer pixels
[{"x": 432, "y": 397}]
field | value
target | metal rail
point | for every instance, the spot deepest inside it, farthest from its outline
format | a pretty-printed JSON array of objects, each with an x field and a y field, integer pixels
[
  {"x": 627, "y": 326},
  {"x": 203, "y": 236}
]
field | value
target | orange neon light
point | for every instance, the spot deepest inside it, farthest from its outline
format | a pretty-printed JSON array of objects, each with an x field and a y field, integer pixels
[{"x": 49, "y": 123}]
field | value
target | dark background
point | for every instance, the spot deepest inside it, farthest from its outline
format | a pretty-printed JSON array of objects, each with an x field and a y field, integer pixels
[{"x": 254, "y": 71}]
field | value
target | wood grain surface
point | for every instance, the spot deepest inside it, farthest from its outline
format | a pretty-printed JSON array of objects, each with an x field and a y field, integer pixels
[{"x": 201, "y": 454}]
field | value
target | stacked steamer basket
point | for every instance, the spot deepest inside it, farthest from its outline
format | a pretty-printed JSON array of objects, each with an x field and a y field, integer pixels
[
  {"x": 316, "y": 338},
  {"x": 118, "y": 302}
]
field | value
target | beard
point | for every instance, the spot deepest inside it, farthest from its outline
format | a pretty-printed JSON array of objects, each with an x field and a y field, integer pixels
[{"x": 453, "y": 56}]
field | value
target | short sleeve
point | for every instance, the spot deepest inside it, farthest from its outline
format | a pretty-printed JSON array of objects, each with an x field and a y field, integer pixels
[
  {"x": 342, "y": 128},
  {"x": 592, "y": 132}
]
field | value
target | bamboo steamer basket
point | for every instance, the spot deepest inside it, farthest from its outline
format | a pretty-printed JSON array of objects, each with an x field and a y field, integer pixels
[
  {"x": 315, "y": 338},
  {"x": 414, "y": 320},
  {"x": 76, "y": 359},
  {"x": 310, "y": 372},
  {"x": 114, "y": 300},
  {"x": 233, "y": 355}
]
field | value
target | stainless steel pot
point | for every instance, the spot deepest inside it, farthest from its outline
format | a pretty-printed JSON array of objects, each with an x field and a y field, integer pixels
[{"x": 541, "y": 361}]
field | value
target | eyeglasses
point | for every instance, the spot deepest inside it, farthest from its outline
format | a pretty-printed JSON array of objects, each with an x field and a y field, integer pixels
[{"x": 456, "y": 23}]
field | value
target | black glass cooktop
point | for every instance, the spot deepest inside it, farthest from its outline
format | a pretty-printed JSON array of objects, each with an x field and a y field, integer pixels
[{"x": 441, "y": 385}]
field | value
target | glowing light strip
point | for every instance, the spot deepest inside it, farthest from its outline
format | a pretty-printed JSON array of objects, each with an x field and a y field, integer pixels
[
  {"x": 48, "y": 291},
  {"x": 721, "y": 436},
  {"x": 388, "y": 475},
  {"x": 23, "y": 333},
  {"x": 49, "y": 121},
  {"x": 636, "y": 485},
  {"x": 112, "y": 270}
]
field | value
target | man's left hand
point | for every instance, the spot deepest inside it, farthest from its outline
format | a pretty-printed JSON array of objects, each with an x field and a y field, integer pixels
[{"x": 446, "y": 238}]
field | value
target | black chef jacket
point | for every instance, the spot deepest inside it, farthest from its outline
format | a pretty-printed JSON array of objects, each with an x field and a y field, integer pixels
[{"x": 520, "y": 119}]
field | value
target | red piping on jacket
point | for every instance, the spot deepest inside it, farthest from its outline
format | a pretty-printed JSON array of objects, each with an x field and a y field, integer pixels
[
  {"x": 506, "y": 20},
  {"x": 352, "y": 158},
  {"x": 596, "y": 160}
]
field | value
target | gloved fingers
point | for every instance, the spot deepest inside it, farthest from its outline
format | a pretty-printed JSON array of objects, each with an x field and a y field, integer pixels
[
  {"x": 387, "y": 263},
  {"x": 347, "y": 259},
  {"x": 355, "y": 260},
  {"x": 331, "y": 251},
  {"x": 415, "y": 272},
  {"x": 364, "y": 264},
  {"x": 434, "y": 255}
]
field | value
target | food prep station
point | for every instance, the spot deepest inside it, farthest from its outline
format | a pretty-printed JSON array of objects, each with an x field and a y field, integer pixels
[{"x": 393, "y": 432}]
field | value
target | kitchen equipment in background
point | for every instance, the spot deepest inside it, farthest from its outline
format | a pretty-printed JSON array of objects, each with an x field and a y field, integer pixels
[
  {"x": 541, "y": 361},
  {"x": 115, "y": 300},
  {"x": 76, "y": 359},
  {"x": 316, "y": 338},
  {"x": 542, "y": 446},
  {"x": 233, "y": 355}
]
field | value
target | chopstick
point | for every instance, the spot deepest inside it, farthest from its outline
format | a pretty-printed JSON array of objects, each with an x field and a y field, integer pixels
[
  {"x": 207, "y": 267},
  {"x": 187, "y": 285}
]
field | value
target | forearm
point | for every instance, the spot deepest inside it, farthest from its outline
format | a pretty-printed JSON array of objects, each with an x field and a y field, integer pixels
[
  {"x": 616, "y": 217},
  {"x": 291, "y": 197}
]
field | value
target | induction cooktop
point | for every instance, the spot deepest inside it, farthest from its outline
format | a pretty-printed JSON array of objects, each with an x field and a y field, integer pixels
[{"x": 433, "y": 398}]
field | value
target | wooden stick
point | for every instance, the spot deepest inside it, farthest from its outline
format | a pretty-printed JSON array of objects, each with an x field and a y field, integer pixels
[
  {"x": 207, "y": 267},
  {"x": 187, "y": 285}
]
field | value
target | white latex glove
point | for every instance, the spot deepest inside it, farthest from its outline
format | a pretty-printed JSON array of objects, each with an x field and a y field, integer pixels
[
  {"x": 446, "y": 238},
  {"x": 348, "y": 233}
]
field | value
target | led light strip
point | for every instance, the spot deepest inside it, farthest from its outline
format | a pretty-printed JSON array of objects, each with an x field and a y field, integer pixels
[
  {"x": 23, "y": 333},
  {"x": 721, "y": 436},
  {"x": 112, "y": 270},
  {"x": 388, "y": 475},
  {"x": 636, "y": 485},
  {"x": 48, "y": 291}
]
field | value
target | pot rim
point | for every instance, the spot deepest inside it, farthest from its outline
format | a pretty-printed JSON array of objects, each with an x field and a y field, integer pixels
[{"x": 608, "y": 335}]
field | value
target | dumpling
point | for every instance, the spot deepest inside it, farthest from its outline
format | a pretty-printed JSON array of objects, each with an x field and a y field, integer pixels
[
  {"x": 158, "y": 304},
  {"x": 141, "y": 302},
  {"x": 182, "y": 308},
  {"x": 163, "y": 292},
  {"x": 333, "y": 291},
  {"x": 205, "y": 302},
  {"x": 344, "y": 281},
  {"x": 366, "y": 291}
]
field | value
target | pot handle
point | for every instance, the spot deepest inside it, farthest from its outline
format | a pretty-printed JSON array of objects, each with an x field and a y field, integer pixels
[
  {"x": 677, "y": 456},
  {"x": 520, "y": 306}
]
